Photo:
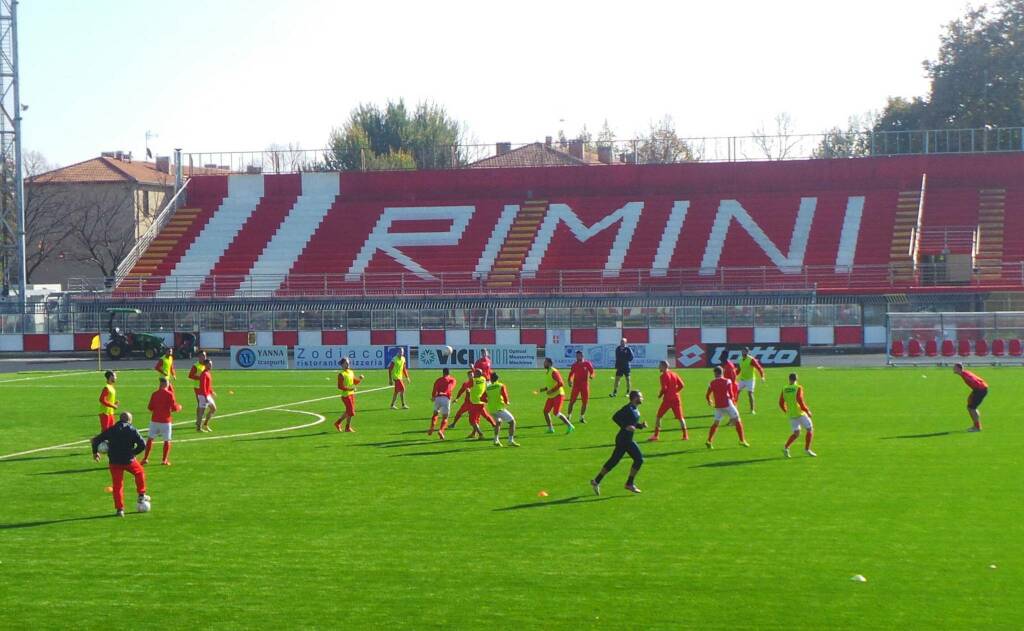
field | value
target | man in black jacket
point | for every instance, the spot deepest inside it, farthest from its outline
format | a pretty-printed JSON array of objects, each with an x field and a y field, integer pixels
[
  {"x": 628, "y": 420},
  {"x": 123, "y": 443},
  {"x": 623, "y": 355}
]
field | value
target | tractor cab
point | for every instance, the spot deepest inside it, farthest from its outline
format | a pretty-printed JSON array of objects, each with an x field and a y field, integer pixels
[{"x": 124, "y": 342}]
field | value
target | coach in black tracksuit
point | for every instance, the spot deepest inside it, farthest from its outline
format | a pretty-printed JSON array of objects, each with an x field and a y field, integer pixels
[
  {"x": 628, "y": 420},
  {"x": 123, "y": 443},
  {"x": 623, "y": 356}
]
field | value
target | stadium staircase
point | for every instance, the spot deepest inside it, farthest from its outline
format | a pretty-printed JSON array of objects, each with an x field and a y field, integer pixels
[
  {"x": 991, "y": 235},
  {"x": 520, "y": 239},
  {"x": 903, "y": 250},
  {"x": 165, "y": 241},
  {"x": 195, "y": 263}
]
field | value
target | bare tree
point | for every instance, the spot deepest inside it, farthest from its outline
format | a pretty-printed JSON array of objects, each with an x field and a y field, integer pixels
[
  {"x": 47, "y": 225},
  {"x": 100, "y": 234},
  {"x": 780, "y": 143}
]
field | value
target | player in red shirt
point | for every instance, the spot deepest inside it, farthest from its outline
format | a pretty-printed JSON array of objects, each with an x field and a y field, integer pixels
[
  {"x": 442, "y": 398},
  {"x": 721, "y": 389},
  {"x": 671, "y": 387},
  {"x": 729, "y": 372},
  {"x": 484, "y": 364},
  {"x": 464, "y": 393},
  {"x": 580, "y": 375},
  {"x": 162, "y": 404},
  {"x": 979, "y": 390},
  {"x": 206, "y": 394}
]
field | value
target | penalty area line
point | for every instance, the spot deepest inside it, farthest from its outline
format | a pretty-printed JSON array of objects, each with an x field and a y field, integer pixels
[{"x": 218, "y": 417}]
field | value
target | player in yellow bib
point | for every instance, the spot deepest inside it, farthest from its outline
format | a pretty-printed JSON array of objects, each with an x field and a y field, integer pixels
[
  {"x": 748, "y": 364},
  {"x": 165, "y": 367},
  {"x": 791, "y": 401},
  {"x": 108, "y": 401},
  {"x": 497, "y": 405},
  {"x": 398, "y": 374},
  {"x": 555, "y": 391},
  {"x": 478, "y": 404}
]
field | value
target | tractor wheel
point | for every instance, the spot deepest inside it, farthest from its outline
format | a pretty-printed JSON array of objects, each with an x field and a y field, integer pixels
[
  {"x": 150, "y": 352},
  {"x": 116, "y": 350}
]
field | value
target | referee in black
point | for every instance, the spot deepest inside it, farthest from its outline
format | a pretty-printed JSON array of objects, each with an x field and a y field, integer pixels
[
  {"x": 628, "y": 420},
  {"x": 623, "y": 355}
]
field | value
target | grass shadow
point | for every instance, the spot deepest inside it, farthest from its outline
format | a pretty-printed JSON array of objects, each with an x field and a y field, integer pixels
[
  {"x": 445, "y": 451},
  {"x": 575, "y": 499},
  {"x": 733, "y": 463},
  {"x": 905, "y": 436},
  {"x": 71, "y": 455},
  {"x": 69, "y": 471},
  {"x": 286, "y": 437},
  {"x": 665, "y": 454},
  {"x": 49, "y": 522}
]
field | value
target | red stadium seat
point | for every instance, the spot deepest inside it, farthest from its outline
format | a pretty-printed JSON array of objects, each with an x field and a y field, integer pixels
[
  {"x": 948, "y": 349},
  {"x": 1015, "y": 348},
  {"x": 999, "y": 347},
  {"x": 931, "y": 348},
  {"x": 914, "y": 348},
  {"x": 896, "y": 349},
  {"x": 963, "y": 348},
  {"x": 981, "y": 347}
]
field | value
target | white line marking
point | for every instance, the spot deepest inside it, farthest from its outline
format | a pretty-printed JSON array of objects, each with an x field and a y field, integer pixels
[
  {"x": 63, "y": 374},
  {"x": 320, "y": 418},
  {"x": 219, "y": 417}
]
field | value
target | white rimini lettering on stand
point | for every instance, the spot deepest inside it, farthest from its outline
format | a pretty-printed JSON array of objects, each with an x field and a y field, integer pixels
[{"x": 388, "y": 242}]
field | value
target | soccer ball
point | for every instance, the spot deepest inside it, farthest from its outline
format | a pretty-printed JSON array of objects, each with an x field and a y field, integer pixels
[
  {"x": 103, "y": 447},
  {"x": 142, "y": 506},
  {"x": 449, "y": 350}
]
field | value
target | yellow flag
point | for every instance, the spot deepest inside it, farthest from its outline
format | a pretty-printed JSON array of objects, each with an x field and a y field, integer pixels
[{"x": 94, "y": 345}]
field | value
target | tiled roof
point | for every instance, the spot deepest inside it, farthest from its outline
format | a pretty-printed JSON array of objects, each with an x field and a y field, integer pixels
[
  {"x": 532, "y": 155},
  {"x": 104, "y": 169}
]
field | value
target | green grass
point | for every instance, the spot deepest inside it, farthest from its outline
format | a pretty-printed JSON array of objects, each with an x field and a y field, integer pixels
[{"x": 386, "y": 527}]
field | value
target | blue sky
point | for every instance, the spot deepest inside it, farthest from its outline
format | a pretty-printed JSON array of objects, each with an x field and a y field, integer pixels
[{"x": 222, "y": 75}]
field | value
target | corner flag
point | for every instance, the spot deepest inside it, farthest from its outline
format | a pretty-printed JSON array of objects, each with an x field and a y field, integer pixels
[{"x": 94, "y": 345}]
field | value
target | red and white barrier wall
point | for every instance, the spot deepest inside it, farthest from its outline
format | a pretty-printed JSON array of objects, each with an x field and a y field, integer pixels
[{"x": 870, "y": 336}]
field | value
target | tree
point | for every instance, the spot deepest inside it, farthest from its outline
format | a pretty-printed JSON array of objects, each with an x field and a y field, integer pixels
[
  {"x": 662, "y": 145},
  {"x": 852, "y": 142},
  {"x": 977, "y": 81},
  {"x": 394, "y": 138},
  {"x": 779, "y": 144},
  {"x": 47, "y": 224},
  {"x": 99, "y": 234}
]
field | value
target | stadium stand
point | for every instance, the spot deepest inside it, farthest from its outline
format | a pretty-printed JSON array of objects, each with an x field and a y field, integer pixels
[{"x": 866, "y": 225}]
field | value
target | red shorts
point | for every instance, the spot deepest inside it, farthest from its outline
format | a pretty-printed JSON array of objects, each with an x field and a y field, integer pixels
[
  {"x": 399, "y": 385},
  {"x": 676, "y": 407},
  {"x": 106, "y": 422},
  {"x": 554, "y": 405},
  {"x": 477, "y": 410},
  {"x": 350, "y": 404},
  {"x": 580, "y": 393}
]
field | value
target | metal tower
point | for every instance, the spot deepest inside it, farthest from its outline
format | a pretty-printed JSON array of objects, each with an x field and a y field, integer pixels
[{"x": 12, "y": 190}]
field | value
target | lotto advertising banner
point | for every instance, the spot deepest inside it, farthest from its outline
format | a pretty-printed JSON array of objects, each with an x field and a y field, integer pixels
[
  {"x": 259, "y": 357},
  {"x": 770, "y": 355},
  {"x": 603, "y": 355},
  {"x": 502, "y": 356},
  {"x": 359, "y": 357}
]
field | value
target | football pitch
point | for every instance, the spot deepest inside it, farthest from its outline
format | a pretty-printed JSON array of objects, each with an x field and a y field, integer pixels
[{"x": 278, "y": 521}]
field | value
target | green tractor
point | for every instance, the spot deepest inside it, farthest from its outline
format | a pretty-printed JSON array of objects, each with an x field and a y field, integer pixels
[{"x": 124, "y": 342}]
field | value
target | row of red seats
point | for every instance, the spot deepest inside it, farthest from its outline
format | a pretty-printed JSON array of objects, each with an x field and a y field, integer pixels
[{"x": 963, "y": 348}]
